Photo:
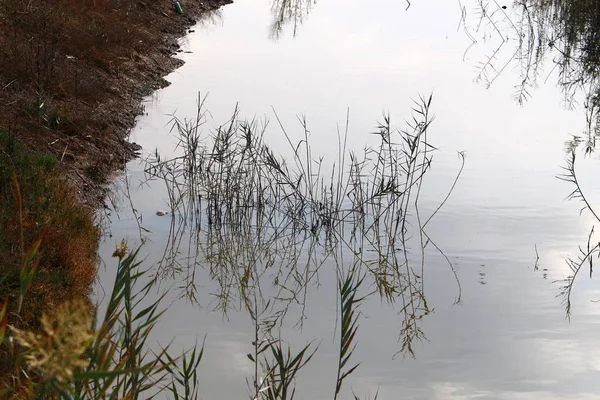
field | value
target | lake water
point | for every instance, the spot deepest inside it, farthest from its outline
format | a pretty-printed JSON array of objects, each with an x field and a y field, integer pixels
[{"x": 508, "y": 336}]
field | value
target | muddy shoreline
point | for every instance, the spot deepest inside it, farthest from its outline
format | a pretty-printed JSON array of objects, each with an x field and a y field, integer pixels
[{"x": 87, "y": 127}]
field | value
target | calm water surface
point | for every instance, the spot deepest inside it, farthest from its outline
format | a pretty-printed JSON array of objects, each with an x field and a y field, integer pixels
[{"x": 508, "y": 337}]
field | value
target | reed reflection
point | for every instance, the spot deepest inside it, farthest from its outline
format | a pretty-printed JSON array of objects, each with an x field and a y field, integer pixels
[{"x": 265, "y": 228}]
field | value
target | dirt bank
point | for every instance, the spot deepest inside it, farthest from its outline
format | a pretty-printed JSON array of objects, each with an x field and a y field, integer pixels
[
  {"x": 72, "y": 77},
  {"x": 73, "y": 74}
]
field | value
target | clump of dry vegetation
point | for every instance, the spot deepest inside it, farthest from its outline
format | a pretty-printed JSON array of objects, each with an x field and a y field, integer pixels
[{"x": 48, "y": 242}]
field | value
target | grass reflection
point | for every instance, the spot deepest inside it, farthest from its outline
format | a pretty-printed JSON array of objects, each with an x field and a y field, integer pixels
[
  {"x": 551, "y": 36},
  {"x": 289, "y": 12},
  {"x": 265, "y": 227},
  {"x": 563, "y": 35},
  {"x": 587, "y": 253}
]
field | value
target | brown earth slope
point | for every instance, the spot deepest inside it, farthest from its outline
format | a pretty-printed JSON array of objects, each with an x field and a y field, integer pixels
[{"x": 73, "y": 72}]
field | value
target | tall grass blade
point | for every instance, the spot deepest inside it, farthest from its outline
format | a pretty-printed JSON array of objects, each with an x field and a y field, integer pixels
[{"x": 348, "y": 287}]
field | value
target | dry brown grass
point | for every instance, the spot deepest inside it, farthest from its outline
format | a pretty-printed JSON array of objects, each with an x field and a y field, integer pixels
[
  {"x": 69, "y": 237},
  {"x": 36, "y": 204}
]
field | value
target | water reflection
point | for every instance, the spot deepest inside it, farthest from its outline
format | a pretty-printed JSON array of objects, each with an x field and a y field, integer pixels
[
  {"x": 561, "y": 33},
  {"x": 504, "y": 340},
  {"x": 289, "y": 12},
  {"x": 264, "y": 230},
  {"x": 540, "y": 36},
  {"x": 587, "y": 253},
  {"x": 566, "y": 35},
  {"x": 569, "y": 32}
]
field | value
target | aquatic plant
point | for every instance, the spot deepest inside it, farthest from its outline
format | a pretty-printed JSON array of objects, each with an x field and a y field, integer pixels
[
  {"x": 348, "y": 289},
  {"x": 252, "y": 219},
  {"x": 255, "y": 219}
]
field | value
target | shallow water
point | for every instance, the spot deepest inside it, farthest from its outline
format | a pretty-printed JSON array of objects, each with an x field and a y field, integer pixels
[{"x": 508, "y": 337}]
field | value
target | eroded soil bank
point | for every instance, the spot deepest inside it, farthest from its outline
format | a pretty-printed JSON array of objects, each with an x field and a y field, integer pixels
[
  {"x": 73, "y": 73},
  {"x": 72, "y": 77}
]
